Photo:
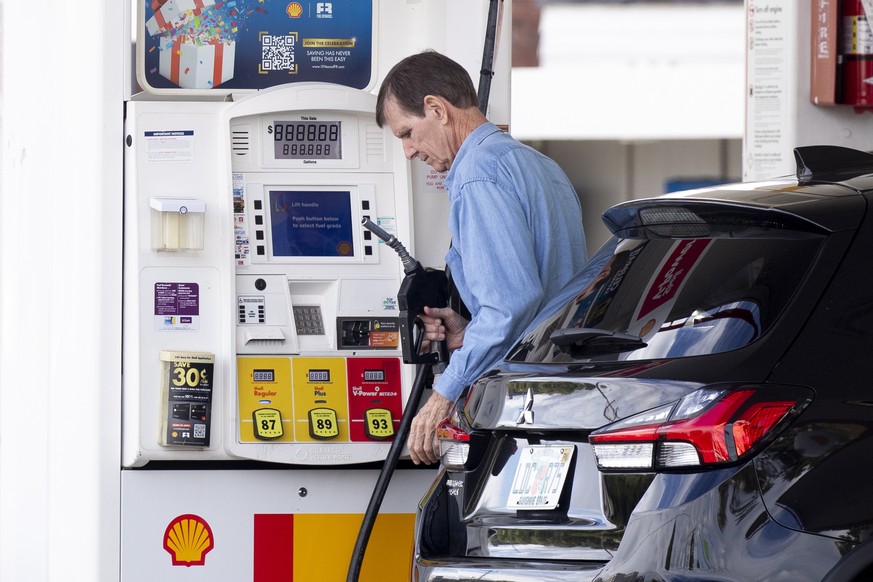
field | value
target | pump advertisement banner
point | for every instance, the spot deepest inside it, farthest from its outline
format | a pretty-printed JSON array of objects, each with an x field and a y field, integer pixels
[{"x": 246, "y": 45}]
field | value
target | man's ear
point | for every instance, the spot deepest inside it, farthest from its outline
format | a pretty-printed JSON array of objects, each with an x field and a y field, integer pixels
[{"x": 436, "y": 106}]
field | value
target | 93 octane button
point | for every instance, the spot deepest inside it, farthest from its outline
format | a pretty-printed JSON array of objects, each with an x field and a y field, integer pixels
[
  {"x": 539, "y": 476},
  {"x": 378, "y": 423}
]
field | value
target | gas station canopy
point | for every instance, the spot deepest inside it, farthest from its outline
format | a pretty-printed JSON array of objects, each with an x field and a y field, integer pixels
[{"x": 634, "y": 72}]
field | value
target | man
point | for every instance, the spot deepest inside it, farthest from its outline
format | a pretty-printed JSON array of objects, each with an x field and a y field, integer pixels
[{"x": 514, "y": 218}]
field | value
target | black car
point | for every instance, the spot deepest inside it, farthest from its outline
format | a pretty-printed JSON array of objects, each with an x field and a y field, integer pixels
[{"x": 698, "y": 405}]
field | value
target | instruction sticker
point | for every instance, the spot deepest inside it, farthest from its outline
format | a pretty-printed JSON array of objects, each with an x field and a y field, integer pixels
[
  {"x": 169, "y": 146},
  {"x": 177, "y": 306}
]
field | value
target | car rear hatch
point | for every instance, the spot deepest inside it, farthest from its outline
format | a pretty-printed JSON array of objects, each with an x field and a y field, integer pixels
[
  {"x": 528, "y": 502},
  {"x": 535, "y": 491}
]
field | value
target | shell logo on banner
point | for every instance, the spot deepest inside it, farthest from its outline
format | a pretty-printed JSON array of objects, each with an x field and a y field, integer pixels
[
  {"x": 188, "y": 539},
  {"x": 294, "y": 10}
]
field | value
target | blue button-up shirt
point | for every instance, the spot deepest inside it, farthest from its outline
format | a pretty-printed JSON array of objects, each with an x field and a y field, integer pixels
[{"x": 517, "y": 238}]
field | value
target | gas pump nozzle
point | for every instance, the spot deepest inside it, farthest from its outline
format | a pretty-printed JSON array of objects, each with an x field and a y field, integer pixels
[{"x": 420, "y": 287}]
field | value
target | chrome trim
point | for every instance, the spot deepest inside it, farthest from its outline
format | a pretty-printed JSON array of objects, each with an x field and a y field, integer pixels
[
  {"x": 505, "y": 571},
  {"x": 526, "y": 414}
]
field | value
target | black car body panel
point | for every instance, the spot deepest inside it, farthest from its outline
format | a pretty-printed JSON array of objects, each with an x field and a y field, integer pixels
[
  {"x": 724, "y": 534},
  {"x": 760, "y": 291},
  {"x": 577, "y": 400},
  {"x": 825, "y": 446}
]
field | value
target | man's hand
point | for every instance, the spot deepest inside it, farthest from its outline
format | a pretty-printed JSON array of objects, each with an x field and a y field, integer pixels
[
  {"x": 422, "y": 442},
  {"x": 443, "y": 323}
]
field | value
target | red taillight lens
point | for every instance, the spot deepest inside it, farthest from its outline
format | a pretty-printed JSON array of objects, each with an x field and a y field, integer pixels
[
  {"x": 709, "y": 426},
  {"x": 760, "y": 418},
  {"x": 454, "y": 445}
]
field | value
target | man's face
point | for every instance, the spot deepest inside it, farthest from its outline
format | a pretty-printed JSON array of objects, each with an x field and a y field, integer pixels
[{"x": 425, "y": 138}]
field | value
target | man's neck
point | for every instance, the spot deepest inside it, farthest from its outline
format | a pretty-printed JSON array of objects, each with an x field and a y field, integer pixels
[{"x": 465, "y": 122}]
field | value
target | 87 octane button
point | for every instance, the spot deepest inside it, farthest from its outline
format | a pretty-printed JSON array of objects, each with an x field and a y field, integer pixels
[{"x": 268, "y": 424}]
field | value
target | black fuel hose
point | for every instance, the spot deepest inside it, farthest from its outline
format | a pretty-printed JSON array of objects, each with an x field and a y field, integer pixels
[
  {"x": 487, "y": 70},
  {"x": 387, "y": 472}
]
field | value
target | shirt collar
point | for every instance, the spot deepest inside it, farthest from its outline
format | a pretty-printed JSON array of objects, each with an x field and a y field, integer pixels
[{"x": 476, "y": 137}]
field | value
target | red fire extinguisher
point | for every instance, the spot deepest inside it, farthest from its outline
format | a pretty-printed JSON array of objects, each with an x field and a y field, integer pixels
[{"x": 856, "y": 55}]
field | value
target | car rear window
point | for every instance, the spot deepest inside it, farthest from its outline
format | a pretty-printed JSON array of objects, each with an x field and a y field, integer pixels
[{"x": 681, "y": 297}]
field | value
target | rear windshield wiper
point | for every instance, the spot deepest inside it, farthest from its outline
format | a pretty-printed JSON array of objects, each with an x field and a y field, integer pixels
[{"x": 590, "y": 341}]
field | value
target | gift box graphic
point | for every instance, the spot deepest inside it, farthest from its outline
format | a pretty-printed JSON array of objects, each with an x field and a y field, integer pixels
[
  {"x": 193, "y": 64},
  {"x": 171, "y": 14}
]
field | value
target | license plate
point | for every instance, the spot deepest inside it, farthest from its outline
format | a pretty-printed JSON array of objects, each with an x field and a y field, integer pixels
[{"x": 539, "y": 477}]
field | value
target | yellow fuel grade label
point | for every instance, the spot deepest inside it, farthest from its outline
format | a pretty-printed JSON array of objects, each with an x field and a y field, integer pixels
[
  {"x": 321, "y": 401},
  {"x": 265, "y": 399}
]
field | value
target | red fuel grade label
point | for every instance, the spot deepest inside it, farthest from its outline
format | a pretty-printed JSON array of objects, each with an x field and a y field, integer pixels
[{"x": 375, "y": 399}]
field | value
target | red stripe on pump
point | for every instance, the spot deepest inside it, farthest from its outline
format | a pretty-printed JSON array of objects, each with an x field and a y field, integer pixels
[{"x": 274, "y": 548}]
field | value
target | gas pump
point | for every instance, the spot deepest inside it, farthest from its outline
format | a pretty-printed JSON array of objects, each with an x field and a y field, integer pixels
[
  {"x": 318, "y": 329},
  {"x": 266, "y": 326},
  {"x": 264, "y": 377}
]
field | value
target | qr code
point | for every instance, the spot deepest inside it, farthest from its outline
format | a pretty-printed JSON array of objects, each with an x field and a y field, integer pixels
[
  {"x": 277, "y": 53},
  {"x": 199, "y": 431}
]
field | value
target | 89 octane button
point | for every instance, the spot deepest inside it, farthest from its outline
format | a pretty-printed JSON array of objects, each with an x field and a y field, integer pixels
[{"x": 323, "y": 424}]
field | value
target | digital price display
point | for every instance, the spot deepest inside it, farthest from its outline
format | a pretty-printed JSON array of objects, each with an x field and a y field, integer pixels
[
  {"x": 374, "y": 375},
  {"x": 263, "y": 375},
  {"x": 319, "y": 375},
  {"x": 311, "y": 140}
]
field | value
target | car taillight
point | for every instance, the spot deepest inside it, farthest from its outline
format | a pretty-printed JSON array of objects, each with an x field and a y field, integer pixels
[
  {"x": 710, "y": 426},
  {"x": 454, "y": 445}
]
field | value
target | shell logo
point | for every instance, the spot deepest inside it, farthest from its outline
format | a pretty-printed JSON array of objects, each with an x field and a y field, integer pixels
[
  {"x": 294, "y": 10},
  {"x": 188, "y": 539}
]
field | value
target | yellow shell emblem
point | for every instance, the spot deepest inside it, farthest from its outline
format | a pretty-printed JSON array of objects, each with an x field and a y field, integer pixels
[
  {"x": 294, "y": 10},
  {"x": 188, "y": 539}
]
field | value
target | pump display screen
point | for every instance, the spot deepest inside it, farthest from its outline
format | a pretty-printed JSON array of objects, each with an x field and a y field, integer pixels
[
  {"x": 311, "y": 223},
  {"x": 319, "y": 375},
  {"x": 374, "y": 375},
  {"x": 263, "y": 375},
  {"x": 311, "y": 140}
]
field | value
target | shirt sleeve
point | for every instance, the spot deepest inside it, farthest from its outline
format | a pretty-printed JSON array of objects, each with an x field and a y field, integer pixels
[{"x": 500, "y": 270}]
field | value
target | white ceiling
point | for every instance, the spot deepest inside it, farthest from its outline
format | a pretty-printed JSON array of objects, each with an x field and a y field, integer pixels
[{"x": 634, "y": 72}]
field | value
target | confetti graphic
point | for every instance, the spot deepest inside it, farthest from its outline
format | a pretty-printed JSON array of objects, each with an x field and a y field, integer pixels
[{"x": 254, "y": 44}]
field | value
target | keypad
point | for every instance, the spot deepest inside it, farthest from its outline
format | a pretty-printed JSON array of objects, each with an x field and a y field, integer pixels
[{"x": 308, "y": 320}]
